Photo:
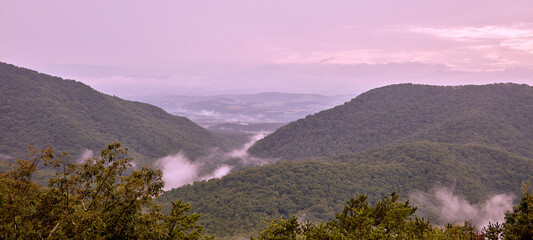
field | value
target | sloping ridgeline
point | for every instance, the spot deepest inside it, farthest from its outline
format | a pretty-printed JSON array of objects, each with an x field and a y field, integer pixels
[
  {"x": 43, "y": 110},
  {"x": 498, "y": 115},
  {"x": 239, "y": 203},
  {"x": 402, "y": 137}
]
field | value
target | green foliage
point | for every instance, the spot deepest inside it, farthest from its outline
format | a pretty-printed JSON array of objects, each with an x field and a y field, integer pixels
[
  {"x": 90, "y": 200},
  {"x": 42, "y": 110},
  {"x": 499, "y": 115},
  {"x": 519, "y": 223},
  {"x": 313, "y": 190},
  {"x": 180, "y": 225},
  {"x": 466, "y": 231},
  {"x": 493, "y": 231},
  {"x": 281, "y": 229},
  {"x": 360, "y": 220},
  {"x": 388, "y": 219}
]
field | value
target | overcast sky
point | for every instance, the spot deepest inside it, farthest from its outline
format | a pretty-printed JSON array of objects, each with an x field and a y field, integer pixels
[{"x": 209, "y": 47}]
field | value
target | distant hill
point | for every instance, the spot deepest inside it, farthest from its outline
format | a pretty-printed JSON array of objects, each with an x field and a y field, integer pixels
[
  {"x": 239, "y": 203},
  {"x": 43, "y": 110},
  {"x": 499, "y": 115},
  {"x": 270, "y": 107},
  {"x": 253, "y": 127},
  {"x": 241, "y": 133}
]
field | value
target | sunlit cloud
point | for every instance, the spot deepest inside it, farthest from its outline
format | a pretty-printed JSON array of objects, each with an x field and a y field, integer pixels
[
  {"x": 473, "y": 49},
  {"x": 515, "y": 36},
  {"x": 473, "y": 33},
  {"x": 489, "y": 48},
  {"x": 469, "y": 59},
  {"x": 523, "y": 44}
]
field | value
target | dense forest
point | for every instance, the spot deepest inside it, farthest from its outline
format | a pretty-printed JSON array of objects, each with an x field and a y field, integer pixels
[
  {"x": 405, "y": 138},
  {"x": 398, "y": 139},
  {"x": 41, "y": 110},
  {"x": 499, "y": 115},
  {"x": 390, "y": 218},
  {"x": 314, "y": 190},
  {"x": 97, "y": 200}
]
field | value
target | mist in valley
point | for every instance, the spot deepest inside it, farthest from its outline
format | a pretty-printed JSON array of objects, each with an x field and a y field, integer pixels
[
  {"x": 448, "y": 207},
  {"x": 240, "y": 70},
  {"x": 178, "y": 170}
]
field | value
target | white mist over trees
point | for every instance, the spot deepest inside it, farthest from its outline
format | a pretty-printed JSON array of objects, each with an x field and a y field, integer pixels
[
  {"x": 451, "y": 208},
  {"x": 178, "y": 170}
]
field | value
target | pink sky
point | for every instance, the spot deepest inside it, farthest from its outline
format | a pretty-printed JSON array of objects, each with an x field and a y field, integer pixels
[{"x": 328, "y": 47}]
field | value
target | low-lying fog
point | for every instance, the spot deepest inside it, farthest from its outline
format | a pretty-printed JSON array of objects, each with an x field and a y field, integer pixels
[
  {"x": 440, "y": 202},
  {"x": 178, "y": 170},
  {"x": 451, "y": 208}
]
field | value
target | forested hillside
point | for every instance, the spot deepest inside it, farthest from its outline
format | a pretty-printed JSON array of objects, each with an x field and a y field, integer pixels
[
  {"x": 404, "y": 138},
  {"x": 98, "y": 199},
  {"x": 498, "y": 115},
  {"x": 42, "y": 110},
  {"x": 239, "y": 203}
]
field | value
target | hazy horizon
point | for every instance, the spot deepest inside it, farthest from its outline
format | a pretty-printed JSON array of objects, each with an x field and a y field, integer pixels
[{"x": 130, "y": 48}]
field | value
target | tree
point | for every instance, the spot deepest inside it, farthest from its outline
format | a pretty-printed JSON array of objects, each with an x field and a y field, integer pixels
[
  {"x": 93, "y": 199},
  {"x": 388, "y": 219},
  {"x": 519, "y": 223},
  {"x": 281, "y": 229},
  {"x": 493, "y": 231}
]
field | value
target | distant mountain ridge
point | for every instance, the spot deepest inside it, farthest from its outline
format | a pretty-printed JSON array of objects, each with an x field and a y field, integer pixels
[
  {"x": 43, "y": 110},
  {"x": 268, "y": 107},
  {"x": 498, "y": 115}
]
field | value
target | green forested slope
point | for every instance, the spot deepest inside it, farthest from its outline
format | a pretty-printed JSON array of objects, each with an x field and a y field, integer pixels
[
  {"x": 498, "y": 115},
  {"x": 42, "y": 110},
  {"x": 239, "y": 203}
]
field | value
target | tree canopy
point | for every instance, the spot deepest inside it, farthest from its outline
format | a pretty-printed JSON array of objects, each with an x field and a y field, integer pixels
[
  {"x": 519, "y": 223},
  {"x": 390, "y": 218},
  {"x": 238, "y": 203},
  {"x": 387, "y": 219},
  {"x": 95, "y": 199}
]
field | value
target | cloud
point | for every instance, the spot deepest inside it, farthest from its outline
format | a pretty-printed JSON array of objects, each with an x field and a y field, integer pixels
[
  {"x": 518, "y": 36},
  {"x": 523, "y": 44},
  {"x": 219, "y": 172},
  {"x": 85, "y": 155},
  {"x": 178, "y": 170},
  {"x": 451, "y": 208},
  {"x": 243, "y": 152},
  {"x": 465, "y": 48},
  {"x": 358, "y": 56},
  {"x": 513, "y": 31}
]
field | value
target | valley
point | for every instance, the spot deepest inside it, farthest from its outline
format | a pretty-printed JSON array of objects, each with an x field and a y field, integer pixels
[
  {"x": 474, "y": 140},
  {"x": 261, "y": 108},
  {"x": 430, "y": 144},
  {"x": 266, "y": 120}
]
